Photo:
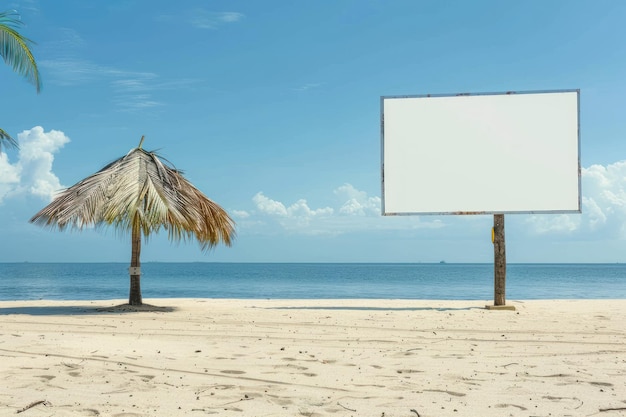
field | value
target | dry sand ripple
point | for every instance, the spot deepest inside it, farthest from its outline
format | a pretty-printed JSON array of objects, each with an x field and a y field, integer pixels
[{"x": 198, "y": 357}]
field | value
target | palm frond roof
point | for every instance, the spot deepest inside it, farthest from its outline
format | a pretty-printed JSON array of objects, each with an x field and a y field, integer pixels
[{"x": 140, "y": 190}]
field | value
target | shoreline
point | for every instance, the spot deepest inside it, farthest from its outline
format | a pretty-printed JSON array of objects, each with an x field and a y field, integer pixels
[{"x": 340, "y": 357}]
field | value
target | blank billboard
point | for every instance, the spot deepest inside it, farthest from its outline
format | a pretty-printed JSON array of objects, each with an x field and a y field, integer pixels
[{"x": 481, "y": 153}]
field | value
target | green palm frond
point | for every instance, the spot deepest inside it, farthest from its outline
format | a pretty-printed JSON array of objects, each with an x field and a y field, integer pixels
[
  {"x": 7, "y": 140},
  {"x": 15, "y": 50},
  {"x": 140, "y": 191}
]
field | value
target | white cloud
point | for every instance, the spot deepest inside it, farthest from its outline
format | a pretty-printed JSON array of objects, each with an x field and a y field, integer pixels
[
  {"x": 240, "y": 214},
  {"x": 73, "y": 71},
  {"x": 204, "y": 19},
  {"x": 603, "y": 205},
  {"x": 32, "y": 173},
  {"x": 9, "y": 176},
  {"x": 299, "y": 209},
  {"x": 67, "y": 70},
  {"x": 132, "y": 90},
  {"x": 357, "y": 202},
  {"x": 550, "y": 223},
  {"x": 63, "y": 41},
  {"x": 603, "y": 215},
  {"x": 355, "y": 211},
  {"x": 296, "y": 218},
  {"x": 230, "y": 17},
  {"x": 22, "y": 5},
  {"x": 132, "y": 84},
  {"x": 268, "y": 206},
  {"x": 308, "y": 86}
]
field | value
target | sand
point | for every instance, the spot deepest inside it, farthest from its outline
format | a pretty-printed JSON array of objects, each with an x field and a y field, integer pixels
[{"x": 382, "y": 358}]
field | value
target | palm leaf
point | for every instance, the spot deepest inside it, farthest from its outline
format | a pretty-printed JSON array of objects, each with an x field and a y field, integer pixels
[
  {"x": 14, "y": 48},
  {"x": 7, "y": 140}
]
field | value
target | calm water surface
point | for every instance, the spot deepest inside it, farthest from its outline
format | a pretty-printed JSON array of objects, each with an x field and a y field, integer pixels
[{"x": 97, "y": 281}]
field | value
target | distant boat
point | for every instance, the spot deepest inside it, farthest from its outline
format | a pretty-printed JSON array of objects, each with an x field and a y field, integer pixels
[{"x": 442, "y": 262}]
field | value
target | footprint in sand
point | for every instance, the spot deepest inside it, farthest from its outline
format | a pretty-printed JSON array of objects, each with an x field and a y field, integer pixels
[
  {"x": 601, "y": 384},
  {"x": 511, "y": 405},
  {"x": 408, "y": 371},
  {"x": 292, "y": 366},
  {"x": 453, "y": 393},
  {"x": 224, "y": 387},
  {"x": 279, "y": 400}
]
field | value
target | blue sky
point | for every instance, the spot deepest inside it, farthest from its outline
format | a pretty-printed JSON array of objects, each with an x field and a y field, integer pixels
[{"x": 272, "y": 109}]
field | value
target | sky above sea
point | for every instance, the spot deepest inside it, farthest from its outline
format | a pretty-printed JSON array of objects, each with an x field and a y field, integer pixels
[{"x": 272, "y": 109}]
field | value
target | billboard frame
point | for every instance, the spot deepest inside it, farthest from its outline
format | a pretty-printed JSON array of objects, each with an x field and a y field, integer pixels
[{"x": 578, "y": 209}]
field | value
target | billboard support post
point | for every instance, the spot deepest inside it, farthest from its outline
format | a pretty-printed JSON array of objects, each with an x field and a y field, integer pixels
[
  {"x": 499, "y": 260},
  {"x": 499, "y": 265}
]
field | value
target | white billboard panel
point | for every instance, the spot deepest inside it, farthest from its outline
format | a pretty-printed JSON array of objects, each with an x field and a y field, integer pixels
[{"x": 481, "y": 153}]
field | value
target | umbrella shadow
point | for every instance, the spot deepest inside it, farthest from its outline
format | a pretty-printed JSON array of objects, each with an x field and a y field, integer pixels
[{"x": 83, "y": 310}]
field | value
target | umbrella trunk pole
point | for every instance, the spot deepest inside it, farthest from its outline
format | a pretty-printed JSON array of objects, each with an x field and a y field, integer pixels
[{"x": 134, "y": 299}]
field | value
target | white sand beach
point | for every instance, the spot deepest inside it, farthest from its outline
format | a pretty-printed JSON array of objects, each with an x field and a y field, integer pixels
[{"x": 382, "y": 358}]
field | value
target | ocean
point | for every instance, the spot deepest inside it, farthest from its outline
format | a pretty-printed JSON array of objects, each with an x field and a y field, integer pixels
[{"x": 104, "y": 281}]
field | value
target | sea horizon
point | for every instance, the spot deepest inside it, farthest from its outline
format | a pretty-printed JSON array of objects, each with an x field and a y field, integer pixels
[
  {"x": 314, "y": 262},
  {"x": 110, "y": 280}
]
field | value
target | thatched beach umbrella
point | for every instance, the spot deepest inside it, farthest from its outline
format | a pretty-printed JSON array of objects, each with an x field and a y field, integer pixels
[{"x": 141, "y": 194}]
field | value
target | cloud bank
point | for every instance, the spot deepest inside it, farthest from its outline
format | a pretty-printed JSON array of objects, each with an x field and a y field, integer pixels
[
  {"x": 354, "y": 210},
  {"x": 603, "y": 204},
  {"x": 603, "y": 216},
  {"x": 32, "y": 173}
]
